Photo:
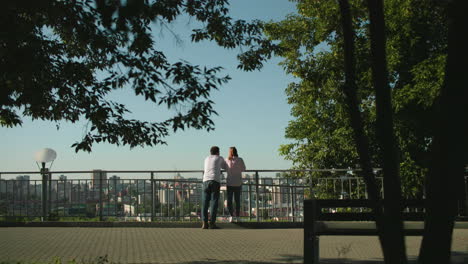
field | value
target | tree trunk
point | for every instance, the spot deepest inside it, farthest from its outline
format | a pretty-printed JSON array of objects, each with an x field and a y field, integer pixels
[
  {"x": 360, "y": 138},
  {"x": 393, "y": 225},
  {"x": 450, "y": 141}
]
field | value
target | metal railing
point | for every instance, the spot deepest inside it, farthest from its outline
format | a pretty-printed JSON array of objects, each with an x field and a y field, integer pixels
[{"x": 267, "y": 195}]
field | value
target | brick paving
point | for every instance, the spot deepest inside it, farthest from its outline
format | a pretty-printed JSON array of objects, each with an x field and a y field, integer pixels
[{"x": 192, "y": 245}]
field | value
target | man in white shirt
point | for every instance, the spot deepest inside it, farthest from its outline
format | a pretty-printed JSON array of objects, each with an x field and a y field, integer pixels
[{"x": 211, "y": 185}]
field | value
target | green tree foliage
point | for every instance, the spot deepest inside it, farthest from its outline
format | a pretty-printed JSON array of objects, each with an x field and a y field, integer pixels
[
  {"x": 59, "y": 60},
  {"x": 312, "y": 49}
]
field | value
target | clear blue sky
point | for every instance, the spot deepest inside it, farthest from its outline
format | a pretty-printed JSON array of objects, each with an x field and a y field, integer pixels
[{"x": 252, "y": 108}]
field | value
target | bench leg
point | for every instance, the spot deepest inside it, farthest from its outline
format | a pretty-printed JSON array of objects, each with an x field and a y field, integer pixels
[
  {"x": 311, "y": 249},
  {"x": 311, "y": 240},
  {"x": 316, "y": 250}
]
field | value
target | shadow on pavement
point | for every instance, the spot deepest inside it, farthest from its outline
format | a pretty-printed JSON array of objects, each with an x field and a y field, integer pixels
[
  {"x": 231, "y": 262},
  {"x": 457, "y": 258}
]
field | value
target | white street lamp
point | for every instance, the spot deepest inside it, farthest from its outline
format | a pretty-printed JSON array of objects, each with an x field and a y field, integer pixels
[{"x": 44, "y": 156}]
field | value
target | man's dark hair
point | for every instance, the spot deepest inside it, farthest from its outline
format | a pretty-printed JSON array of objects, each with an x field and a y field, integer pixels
[{"x": 214, "y": 150}]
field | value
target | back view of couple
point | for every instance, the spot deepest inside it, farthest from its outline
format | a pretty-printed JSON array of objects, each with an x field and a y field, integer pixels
[{"x": 212, "y": 183}]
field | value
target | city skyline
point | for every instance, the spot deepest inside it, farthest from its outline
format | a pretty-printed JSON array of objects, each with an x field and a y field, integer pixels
[{"x": 102, "y": 196}]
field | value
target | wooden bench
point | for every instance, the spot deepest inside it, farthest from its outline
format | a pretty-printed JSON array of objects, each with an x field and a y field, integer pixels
[{"x": 358, "y": 222}]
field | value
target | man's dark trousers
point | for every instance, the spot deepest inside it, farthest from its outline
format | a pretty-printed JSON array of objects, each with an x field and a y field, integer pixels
[{"x": 210, "y": 194}]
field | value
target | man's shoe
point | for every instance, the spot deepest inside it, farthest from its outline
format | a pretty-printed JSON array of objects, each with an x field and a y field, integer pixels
[
  {"x": 213, "y": 226},
  {"x": 205, "y": 225},
  {"x": 231, "y": 219}
]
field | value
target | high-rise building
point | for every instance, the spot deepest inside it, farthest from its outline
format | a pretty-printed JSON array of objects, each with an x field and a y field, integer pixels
[
  {"x": 98, "y": 176},
  {"x": 21, "y": 186},
  {"x": 3, "y": 186},
  {"x": 266, "y": 181},
  {"x": 195, "y": 194},
  {"x": 22, "y": 178},
  {"x": 63, "y": 188},
  {"x": 115, "y": 183},
  {"x": 166, "y": 196}
]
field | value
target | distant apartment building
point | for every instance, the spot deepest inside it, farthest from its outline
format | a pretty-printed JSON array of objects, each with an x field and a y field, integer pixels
[
  {"x": 98, "y": 176},
  {"x": 129, "y": 210},
  {"x": 281, "y": 196},
  {"x": 22, "y": 183},
  {"x": 18, "y": 187},
  {"x": 3, "y": 186},
  {"x": 267, "y": 182},
  {"x": 79, "y": 192},
  {"x": 166, "y": 196},
  {"x": 195, "y": 195},
  {"x": 141, "y": 185},
  {"x": 61, "y": 189},
  {"x": 115, "y": 183},
  {"x": 193, "y": 190},
  {"x": 144, "y": 198},
  {"x": 23, "y": 178}
]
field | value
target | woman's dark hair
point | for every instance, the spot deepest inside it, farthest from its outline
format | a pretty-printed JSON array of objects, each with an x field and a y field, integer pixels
[
  {"x": 214, "y": 150},
  {"x": 234, "y": 152}
]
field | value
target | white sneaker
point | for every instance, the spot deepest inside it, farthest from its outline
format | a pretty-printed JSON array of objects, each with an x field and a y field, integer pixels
[{"x": 230, "y": 219}]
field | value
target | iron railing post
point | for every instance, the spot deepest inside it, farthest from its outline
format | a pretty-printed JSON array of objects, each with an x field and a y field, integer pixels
[
  {"x": 273, "y": 200},
  {"x": 44, "y": 191},
  {"x": 152, "y": 197},
  {"x": 311, "y": 185},
  {"x": 288, "y": 193},
  {"x": 176, "y": 202},
  {"x": 182, "y": 201},
  {"x": 168, "y": 200},
  {"x": 137, "y": 204},
  {"x": 202, "y": 195},
  {"x": 250, "y": 199},
  {"x": 49, "y": 196},
  {"x": 293, "y": 203},
  {"x": 189, "y": 204},
  {"x": 257, "y": 211},
  {"x": 100, "y": 195},
  {"x": 116, "y": 198}
]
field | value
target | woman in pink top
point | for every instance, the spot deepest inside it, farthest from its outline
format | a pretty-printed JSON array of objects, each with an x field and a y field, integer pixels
[{"x": 234, "y": 180}]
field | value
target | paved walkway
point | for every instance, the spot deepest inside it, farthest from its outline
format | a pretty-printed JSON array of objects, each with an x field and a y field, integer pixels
[{"x": 190, "y": 245}]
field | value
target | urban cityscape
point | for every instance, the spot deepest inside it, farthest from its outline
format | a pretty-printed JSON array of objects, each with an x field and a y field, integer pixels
[{"x": 131, "y": 199}]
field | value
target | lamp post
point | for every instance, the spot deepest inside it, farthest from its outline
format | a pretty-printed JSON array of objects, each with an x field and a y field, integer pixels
[{"x": 44, "y": 156}]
